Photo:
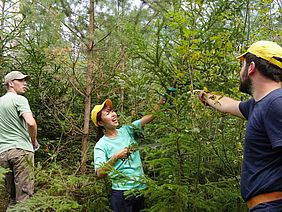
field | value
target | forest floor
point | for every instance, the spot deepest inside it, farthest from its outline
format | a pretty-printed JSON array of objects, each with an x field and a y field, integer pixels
[{"x": 4, "y": 200}]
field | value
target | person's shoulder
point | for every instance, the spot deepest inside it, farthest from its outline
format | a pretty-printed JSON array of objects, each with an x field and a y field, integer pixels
[
  {"x": 16, "y": 96},
  {"x": 21, "y": 100},
  {"x": 102, "y": 142},
  {"x": 277, "y": 93},
  {"x": 134, "y": 124},
  {"x": 124, "y": 127},
  {"x": 10, "y": 95},
  {"x": 273, "y": 101},
  {"x": 274, "y": 96},
  {"x": 22, "y": 97}
]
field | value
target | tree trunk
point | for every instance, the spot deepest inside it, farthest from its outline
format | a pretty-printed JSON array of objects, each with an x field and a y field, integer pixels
[{"x": 89, "y": 76}]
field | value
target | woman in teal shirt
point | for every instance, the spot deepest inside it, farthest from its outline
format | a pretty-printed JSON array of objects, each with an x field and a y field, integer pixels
[{"x": 111, "y": 156}]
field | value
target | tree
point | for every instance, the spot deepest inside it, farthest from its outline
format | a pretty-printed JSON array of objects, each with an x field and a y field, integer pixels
[
  {"x": 89, "y": 75},
  {"x": 81, "y": 52}
]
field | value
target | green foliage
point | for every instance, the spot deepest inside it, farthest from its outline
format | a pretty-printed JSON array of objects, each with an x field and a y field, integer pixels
[
  {"x": 196, "y": 163},
  {"x": 192, "y": 154},
  {"x": 3, "y": 171},
  {"x": 4, "y": 197},
  {"x": 57, "y": 190}
]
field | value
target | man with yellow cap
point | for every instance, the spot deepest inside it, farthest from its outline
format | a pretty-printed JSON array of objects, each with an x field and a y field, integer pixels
[
  {"x": 113, "y": 156},
  {"x": 260, "y": 76}
]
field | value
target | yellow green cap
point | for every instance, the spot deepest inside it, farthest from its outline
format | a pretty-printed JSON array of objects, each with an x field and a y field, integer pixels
[
  {"x": 267, "y": 50},
  {"x": 98, "y": 108}
]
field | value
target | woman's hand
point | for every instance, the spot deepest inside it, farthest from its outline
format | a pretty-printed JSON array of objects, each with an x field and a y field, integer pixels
[{"x": 122, "y": 154}]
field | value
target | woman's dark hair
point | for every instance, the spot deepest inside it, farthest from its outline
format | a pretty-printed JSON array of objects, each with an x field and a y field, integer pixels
[
  {"x": 100, "y": 129},
  {"x": 266, "y": 68}
]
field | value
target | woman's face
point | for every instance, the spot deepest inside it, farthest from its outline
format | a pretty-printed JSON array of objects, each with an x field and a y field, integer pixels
[{"x": 108, "y": 118}]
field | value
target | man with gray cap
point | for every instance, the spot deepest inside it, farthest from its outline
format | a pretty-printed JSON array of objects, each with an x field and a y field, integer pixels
[
  {"x": 260, "y": 77},
  {"x": 18, "y": 138}
]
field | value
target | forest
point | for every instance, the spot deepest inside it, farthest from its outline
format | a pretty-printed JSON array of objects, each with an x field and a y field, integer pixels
[{"x": 81, "y": 52}]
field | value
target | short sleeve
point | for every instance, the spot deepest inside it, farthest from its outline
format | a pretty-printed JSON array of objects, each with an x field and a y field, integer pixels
[
  {"x": 245, "y": 107},
  {"x": 22, "y": 105},
  {"x": 137, "y": 124},
  {"x": 99, "y": 156}
]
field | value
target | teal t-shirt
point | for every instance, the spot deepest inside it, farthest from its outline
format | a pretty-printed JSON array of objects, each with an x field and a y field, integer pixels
[
  {"x": 13, "y": 128},
  {"x": 129, "y": 173}
]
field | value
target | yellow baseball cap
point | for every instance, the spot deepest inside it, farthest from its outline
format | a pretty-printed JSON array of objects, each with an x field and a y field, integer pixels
[
  {"x": 267, "y": 50},
  {"x": 97, "y": 109}
]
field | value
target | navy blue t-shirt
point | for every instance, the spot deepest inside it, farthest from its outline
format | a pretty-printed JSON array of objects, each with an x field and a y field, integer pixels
[{"x": 262, "y": 162}]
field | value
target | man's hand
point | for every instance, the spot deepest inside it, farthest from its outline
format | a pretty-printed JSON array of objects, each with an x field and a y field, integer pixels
[
  {"x": 35, "y": 145},
  {"x": 202, "y": 96}
]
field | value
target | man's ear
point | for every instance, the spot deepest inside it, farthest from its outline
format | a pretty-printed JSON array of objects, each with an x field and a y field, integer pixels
[
  {"x": 10, "y": 83},
  {"x": 252, "y": 68}
]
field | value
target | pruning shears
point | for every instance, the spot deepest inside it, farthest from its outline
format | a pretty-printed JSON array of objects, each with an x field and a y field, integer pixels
[{"x": 170, "y": 92}]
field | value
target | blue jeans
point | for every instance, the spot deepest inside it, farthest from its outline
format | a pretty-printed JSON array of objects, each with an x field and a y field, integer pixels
[
  {"x": 120, "y": 203},
  {"x": 274, "y": 206}
]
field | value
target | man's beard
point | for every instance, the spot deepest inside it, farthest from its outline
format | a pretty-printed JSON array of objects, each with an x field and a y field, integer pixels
[{"x": 246, "y": 83}]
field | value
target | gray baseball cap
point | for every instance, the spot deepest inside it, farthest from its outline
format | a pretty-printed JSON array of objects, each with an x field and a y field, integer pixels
[{"x": 14, "y": 75}]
